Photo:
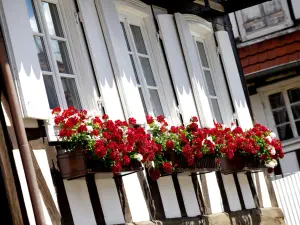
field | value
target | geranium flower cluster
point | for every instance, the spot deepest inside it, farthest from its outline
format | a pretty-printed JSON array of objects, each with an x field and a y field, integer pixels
[
  {"x": 193, "y": 142},
  {"x": 115, "y": 142}
]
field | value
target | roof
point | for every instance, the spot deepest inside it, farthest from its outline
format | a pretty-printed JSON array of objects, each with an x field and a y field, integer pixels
[{"x": 270, "y": 53}]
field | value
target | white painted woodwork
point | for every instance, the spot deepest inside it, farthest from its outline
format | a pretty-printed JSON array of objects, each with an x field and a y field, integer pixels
[
  {"x": 176, "y": 61},
  {"x": 214, "y": 193},
  {"x": 296, "y": 8},
  {"x": 120, "y": 60},
  {"x": 287, "y": 191},
  {"x": 258, "y": 109},
  {"x": 194, "y": 70},
  {"x": 231, "y": 192},
  {"x": 289, "y": 164},
  {"x": 246, "y": 191},
  {"x": 79, "y": 201},
  {"x": 110, "y": 201},
  {"x": 262, "y": 189},
  {"x": 168, "y": 197},
  {"x": 100, "y": 59},
  {"x": 234, "y": 81},
  {"x": 234, "y": 25},
  {"x": 189, "y": 196},
  {"x": 136, "y": 200},
  {"x": 25, "y": 63},
  {"x": 42, "y": 159}
]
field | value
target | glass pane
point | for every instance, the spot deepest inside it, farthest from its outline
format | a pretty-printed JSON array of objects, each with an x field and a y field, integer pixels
[
  {"x": 138, "y": 39},
  {"x": 147, "y": 71},
  {"x": 294, "y": 95},
  {"x": 134, "y": 69},
  {"x": 296, "y": 111},
  {"x": 210, "y": 84},
  {"x": 253, "y": 18},
  {"x": 281, "y": 116},
  {"x": 272, "y": 7},
  {"x": 32, "y": 16},
  {"x": 51, "y": 92},
  {"x": 276, "y": 100},
  {"x": 298, "y": 127},
  {"x": 155, "y": 102},
  {"x": 216, "y": 110},
  {"x": 143, "y": 101},
  {"x": 125, "y": 35},
  {"x": 42, "y": 55},
  {"x": 202, "y": 54},
  {"x": 52, "y": 19},
  {"x": 61, "y": 56},
  {"x": 285, "y": 132},
  {"x": 71, "y": 92}
]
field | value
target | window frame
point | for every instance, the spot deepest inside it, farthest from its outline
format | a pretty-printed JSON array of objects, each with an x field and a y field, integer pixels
[
  {"x": 202, "y": 31},
  {"x": 266, "y": 30},
  {"x": 281, "y": 87},
  {"x": 137, "y": 13},
  {"x": 44, "y": 33}
]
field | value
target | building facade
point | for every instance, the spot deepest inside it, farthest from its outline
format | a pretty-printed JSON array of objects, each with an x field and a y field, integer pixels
[
  {"x": 129, "y": 58},
  {"x": 268, "y": 37}
]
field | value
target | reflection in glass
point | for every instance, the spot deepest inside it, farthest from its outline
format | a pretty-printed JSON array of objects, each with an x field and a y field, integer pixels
[
  {"x": 52, "y": 19},
  {"x": 42, "y": 55},
  {"x": 217, "y": 111},
  {"x": 32, "y": 16},
  {"x": 202, "y": 54},
  {"x": 209, "y": 82},
  {"x": 294, "y": 95},
  {"x": 125, "y": 35},
  {"x": 143, "y": 101},
  {"x": 61, "y": 56},
  {"x": 134, "y": 69},
  {"x": 71, "y": 92},
  {"x": 138, "y": 39},
  {"x": 147, "y": 71},
  {"x": 298, "y": 127},
  {"x": 155, "y": 102},
  {"x": 296, "y": 111},
  {"x": 280, "y": 116},
  {"x": 276, "y": 100},
  {"x": 51, "y": 92},
  {"x": 285, "y": 132}
]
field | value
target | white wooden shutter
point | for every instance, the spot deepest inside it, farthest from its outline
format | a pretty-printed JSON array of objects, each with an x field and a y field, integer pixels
[
  {"x": 100, "y": 59},
  {"x": 122, "y": 66},
  {"x": 25, "y": 63},
  {"x": 194, "y": 70},
  {"x": 296, "y": 8},
  {"x": 177, "y": 66},
  {"x": 234, "y": 25},
  {"x": 234, "y": 81}
]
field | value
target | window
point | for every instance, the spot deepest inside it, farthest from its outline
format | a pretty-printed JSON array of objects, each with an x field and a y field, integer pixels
[
  {"x": 142, "y": 64},
  {"x": 53, "y": 52},
  {"x": 210, "y": 84},
  {"x": 285, "y": 107},
  {"x": 263, "y": 19}
]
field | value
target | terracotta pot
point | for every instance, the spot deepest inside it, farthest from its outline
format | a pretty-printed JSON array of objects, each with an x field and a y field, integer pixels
[{"x": 72, "y": 164}]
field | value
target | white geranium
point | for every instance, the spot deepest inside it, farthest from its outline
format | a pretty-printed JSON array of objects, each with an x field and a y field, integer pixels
[
  {"x": 268, "y": 138},
  {"x": 271, "y": 149},
  {"x": 208, "y": 138},
  {"x": 138, "y": 157},
  {"x": 89, "y": 128},
  {"x": 271, "y": 164},
  {"x": 272, "y": 135}
]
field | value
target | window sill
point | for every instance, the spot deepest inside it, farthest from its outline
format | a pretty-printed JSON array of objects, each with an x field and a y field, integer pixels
[{"x": 291, "y": 145}]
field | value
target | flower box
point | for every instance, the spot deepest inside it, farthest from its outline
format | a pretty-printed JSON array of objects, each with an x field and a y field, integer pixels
[{"x": 241, "y": 163}]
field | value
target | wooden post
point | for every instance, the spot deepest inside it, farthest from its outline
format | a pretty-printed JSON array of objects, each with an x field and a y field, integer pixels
[{"x": 8, "y": 178}]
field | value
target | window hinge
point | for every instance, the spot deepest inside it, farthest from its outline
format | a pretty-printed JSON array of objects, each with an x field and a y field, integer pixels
[
  {"x": 100, "y": 103},
  {"x": 77, "y": 17}
]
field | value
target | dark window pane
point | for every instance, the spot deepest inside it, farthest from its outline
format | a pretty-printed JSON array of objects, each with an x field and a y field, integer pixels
[
  {"x": 281, "y": 116},
  {"x": 52, "y": 19},
  {"x": 134, "y": 69},
  {"x": 32, "y": 16},
  {"x": 125, "y": 35},
  {"x": 285, "y": 132},
  {"x": 202, "y": 54},
  {"x": 298, "y": 127},
  {"x": 143, "y": 101},
  {"x": 294, "y": 95},
  {"x": 42, "y": 55},
  {"x": 51, "y": 92},
  {"x": 296, "y": 111},
  {"x": 71, "y": 92},
  {"x": 216, "y": 110},
  {"x": 155, "y": 102},
  {"x": 276, "y": 100},
  {"x": 61, "y": 56},
  {"x": 138, "y": 39},
  {"x": 210, "y": 84},
  {"x": 147, "y": 71}
]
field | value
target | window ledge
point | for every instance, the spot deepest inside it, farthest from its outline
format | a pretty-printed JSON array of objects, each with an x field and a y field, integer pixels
[{"x": 291, "y": 145}]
